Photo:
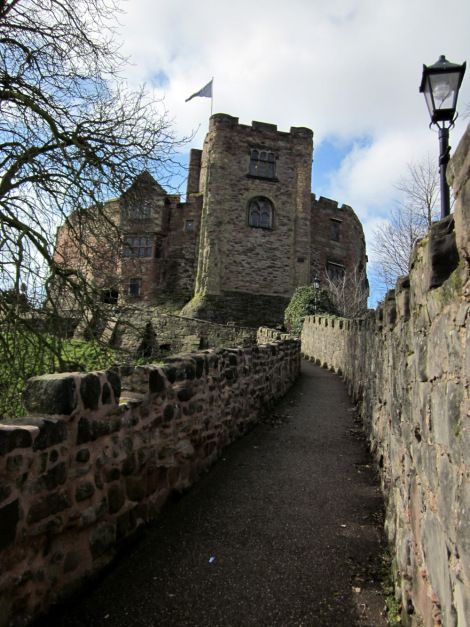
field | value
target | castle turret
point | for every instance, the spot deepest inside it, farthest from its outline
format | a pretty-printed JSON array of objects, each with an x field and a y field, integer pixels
[{"x": 254, "y": 246}]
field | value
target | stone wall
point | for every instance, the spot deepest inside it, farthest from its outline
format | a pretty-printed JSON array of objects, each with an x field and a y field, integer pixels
[
  {"x": 233, "y": 256},
  {"x": 337, "y": 238},
  {"x": 240, "y": 308},
  {"x": 146, "y": 332},
  {"x": 407, "y": 365},
  {"x": 83, "y": 472}
]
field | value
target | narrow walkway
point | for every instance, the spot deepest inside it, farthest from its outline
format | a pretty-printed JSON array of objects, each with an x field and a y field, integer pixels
[{"x": 283, "y": 532}]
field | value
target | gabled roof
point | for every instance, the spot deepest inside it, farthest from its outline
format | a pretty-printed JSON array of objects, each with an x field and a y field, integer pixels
[{"x": 144, "y": 181}]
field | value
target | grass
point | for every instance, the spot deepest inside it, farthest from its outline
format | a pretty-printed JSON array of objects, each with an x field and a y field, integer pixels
[
  {"x": 392, "y": 604},
  {"x": 27, "y": 355}
]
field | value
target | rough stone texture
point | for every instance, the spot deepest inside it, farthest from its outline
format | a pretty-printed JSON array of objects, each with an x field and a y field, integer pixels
[
  {"x": 248, "y": 274},
  {"x": 74, "y": 487},
  {"x": 205, "y": 248},
  {"x": 408, "y": 365},
  {"x": 145, "y": 331},
  {"x": 145, "y": 210},
  {"x": 51, "y": 394},
  {"x": 348, "y": 250},
  {"x": 250, "y": 310}
]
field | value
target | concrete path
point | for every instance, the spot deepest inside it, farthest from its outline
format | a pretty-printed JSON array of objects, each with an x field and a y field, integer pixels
[{"x": 284, "y": 531}]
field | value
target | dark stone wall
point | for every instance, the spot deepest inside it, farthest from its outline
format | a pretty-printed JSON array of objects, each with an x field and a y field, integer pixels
[{"x": 242, "y": 309}]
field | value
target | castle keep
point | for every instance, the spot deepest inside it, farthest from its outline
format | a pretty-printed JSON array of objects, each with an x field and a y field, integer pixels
[{"x": 249, "y": 233}]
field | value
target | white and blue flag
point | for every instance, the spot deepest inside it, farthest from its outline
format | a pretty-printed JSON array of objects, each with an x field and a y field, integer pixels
[{"x": 205, "y": 92}]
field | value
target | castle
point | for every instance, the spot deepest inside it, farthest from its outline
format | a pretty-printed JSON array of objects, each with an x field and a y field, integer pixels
[{"x": 249, "y": 233}]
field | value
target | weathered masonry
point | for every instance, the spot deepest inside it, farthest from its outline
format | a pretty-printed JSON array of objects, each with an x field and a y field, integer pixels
[
  {"x": 101, "y": 452},
  {"x": 249, "y": 233},
  {"x": 408, "y": 367}
]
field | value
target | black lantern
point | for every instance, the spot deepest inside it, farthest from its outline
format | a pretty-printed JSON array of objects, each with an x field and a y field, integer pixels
[
  {"x": 316, "y": 283},
  {"x": 440, "y": 84}
]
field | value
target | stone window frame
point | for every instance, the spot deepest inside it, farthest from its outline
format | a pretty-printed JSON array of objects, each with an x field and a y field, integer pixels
[
  {"x": 335, "y": 229},
  {"x": 135, "y": 287},
  {"x": 335, "y": 270},
  {"x": 139, "y": 212},
  {"x": 260, "y": 213},
  {"x": 263, "y": 163},
  {"x": 138, "y": 246},
  {"x": 189, "y": 226}
]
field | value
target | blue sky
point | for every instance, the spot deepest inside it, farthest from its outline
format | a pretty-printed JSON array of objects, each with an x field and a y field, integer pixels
[{"x": 348, "y": 69}]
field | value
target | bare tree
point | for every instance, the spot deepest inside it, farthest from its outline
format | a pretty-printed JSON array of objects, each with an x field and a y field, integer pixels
[
  {"x": 71, "y": 136},
  {"x": 418, "y": 206},
  {"x": 348, "y": 292}
]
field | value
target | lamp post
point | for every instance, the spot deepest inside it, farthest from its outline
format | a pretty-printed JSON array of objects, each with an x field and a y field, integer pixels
[
  {"x": 316, "y": 285},
  {"x": 440, "y": 85}
]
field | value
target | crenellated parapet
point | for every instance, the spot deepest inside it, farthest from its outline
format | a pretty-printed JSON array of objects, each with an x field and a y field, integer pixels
[
  {"x": 101, "y": 452},
  {"x": 407, "y": 366}
]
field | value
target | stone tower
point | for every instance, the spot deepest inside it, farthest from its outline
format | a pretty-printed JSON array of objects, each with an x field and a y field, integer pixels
[{"x": 255, "y": 233}]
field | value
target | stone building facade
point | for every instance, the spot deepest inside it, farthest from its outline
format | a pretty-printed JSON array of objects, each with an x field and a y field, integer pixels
[{"x": 248, "y": 234}]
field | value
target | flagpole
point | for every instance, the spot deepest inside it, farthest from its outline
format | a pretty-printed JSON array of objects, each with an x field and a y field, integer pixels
[{"x": 212, "y": 94}]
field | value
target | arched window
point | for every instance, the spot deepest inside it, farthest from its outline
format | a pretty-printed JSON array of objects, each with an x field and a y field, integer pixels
[{"x": 260, "y": 213}]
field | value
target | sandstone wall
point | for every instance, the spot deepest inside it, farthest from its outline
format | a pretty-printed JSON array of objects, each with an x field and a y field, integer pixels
[
  {"x": 147, "y": 332},
  {"x": 407, "y": 365},
  {"x": 82, "y": 473},
  {"x": 344, "y": 245},
  {"x": 233, "y": 256}
]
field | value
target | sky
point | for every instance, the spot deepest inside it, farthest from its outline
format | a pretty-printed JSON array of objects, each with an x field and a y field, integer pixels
[{"x": 348, "y": 69}]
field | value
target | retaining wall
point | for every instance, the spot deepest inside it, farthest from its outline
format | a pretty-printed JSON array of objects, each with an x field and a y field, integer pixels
[
  {"x": 143, "y": 330},
  {"x": 407, "y": 365},
  {"x": 82, "y": 473}
]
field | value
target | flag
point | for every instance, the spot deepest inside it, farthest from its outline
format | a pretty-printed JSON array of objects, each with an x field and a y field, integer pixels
[{"x": 205, "y": 92}]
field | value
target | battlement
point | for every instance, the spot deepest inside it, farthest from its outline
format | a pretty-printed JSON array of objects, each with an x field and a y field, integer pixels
[
  {"x": 328, "y": 203},
  {"x": 223, "y": 120}
]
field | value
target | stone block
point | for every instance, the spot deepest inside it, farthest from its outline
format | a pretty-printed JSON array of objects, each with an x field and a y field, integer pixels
[
  {"x": 116, "y": 498},
  {"x": 185, "y": 393},
  {"x": 47, "y": 506},
  {"x": 125, "y": 524},
  {"x": 157, "y": 382},
  {"x": 52, "y": 479},
  {"x": 90, "y": 429},
  {"x": 82, "y": 456},
  {"x": 102, "y": 539},
  {"x": 90, "y": 390},
  {"x": 52, "y": 431},
  {"x": 9, "y": 517},
  {"x": 84, "y": 491},
  {"x": 436, "y": 560},
  {"x": 442, "y": 255},
  {"x": 14, "y": 437},
  {"x": 115, "y": 381},
  {"x": 136, "y": 487},
  {"x": 51, "y": 394}
]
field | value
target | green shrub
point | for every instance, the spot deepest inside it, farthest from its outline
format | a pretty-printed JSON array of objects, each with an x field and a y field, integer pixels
[{"x": 306, "y": 301}]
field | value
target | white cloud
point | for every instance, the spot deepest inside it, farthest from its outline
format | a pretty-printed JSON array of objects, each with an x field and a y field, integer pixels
[{"x": 348, "y": 69}]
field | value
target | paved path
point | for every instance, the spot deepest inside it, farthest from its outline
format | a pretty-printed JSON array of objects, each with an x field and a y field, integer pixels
[{"x": 282, "y": 532}]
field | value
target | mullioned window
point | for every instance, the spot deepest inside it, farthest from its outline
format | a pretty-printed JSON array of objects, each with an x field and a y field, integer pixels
[
  {"x": 138, "y": 247},
  {"x": 263, "y": 163},
  {"x": 260, "y": 213}
]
